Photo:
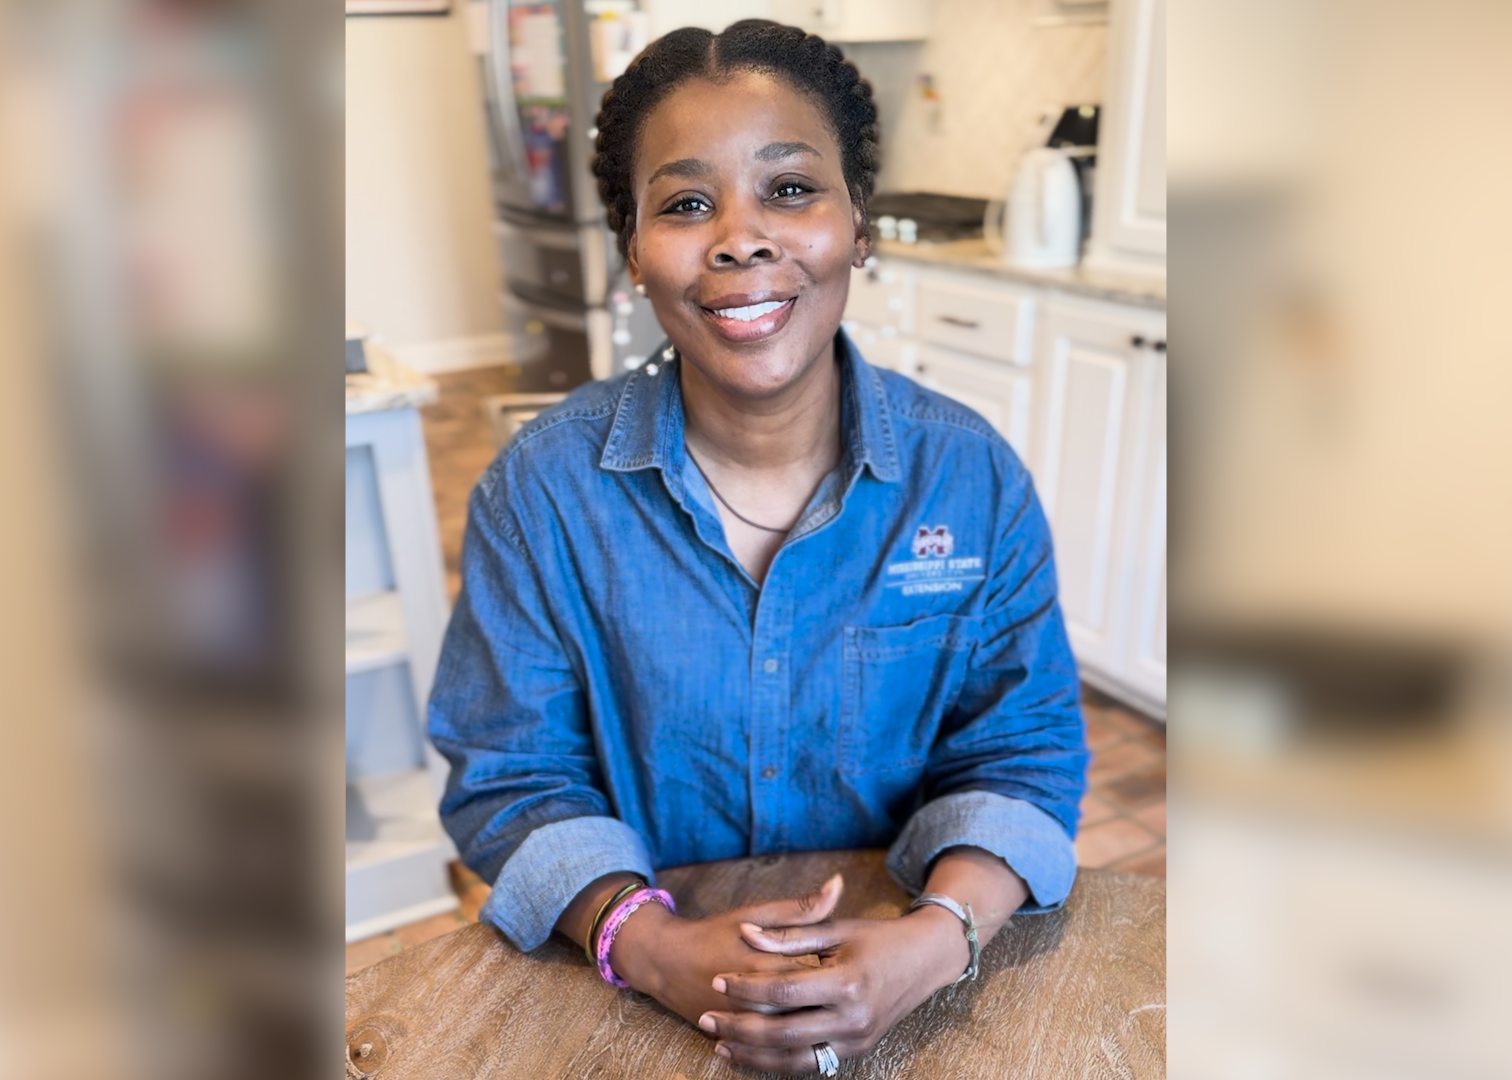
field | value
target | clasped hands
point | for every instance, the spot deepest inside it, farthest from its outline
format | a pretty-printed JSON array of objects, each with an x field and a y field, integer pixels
[{"x": 770, "y": 980}]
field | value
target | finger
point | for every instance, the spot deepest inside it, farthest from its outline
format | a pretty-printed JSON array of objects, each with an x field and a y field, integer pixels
[
  {"x": 802, "y": 910},
  {"x": 792, "y": 940},
  {"x": 765, "y": 961},
  {"x": 804, "y": 1027},
  {"x": 798, "y": 1059},
  {"x": 785, "y": 989}
]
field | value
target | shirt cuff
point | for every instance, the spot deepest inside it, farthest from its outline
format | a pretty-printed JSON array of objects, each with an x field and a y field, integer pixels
[
  {"x": 554, "y": 864},
  {"x": 1029, "y": 840}
]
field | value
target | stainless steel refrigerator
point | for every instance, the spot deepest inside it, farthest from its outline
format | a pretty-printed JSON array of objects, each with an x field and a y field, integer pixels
[{"x": 567, "y": 299}]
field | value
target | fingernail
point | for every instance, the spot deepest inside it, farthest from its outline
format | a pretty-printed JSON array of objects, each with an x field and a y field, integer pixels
[
  {"x": 722, "y": 1050},
  {"x": 752, "y": 928},
  {"x": 706, "y": 1021},
  {"x": 719, "y": 983},
  {"x": 832, "y": 884}
]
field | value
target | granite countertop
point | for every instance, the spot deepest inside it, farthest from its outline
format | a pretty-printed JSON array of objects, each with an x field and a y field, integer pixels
[
  {"x": 975, "y": 256},
  {"x": 387, "y": 384}
]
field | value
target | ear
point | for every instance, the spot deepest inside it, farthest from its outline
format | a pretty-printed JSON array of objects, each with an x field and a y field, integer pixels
[
  {"x": 632, "y": 261},
  {"x": 863, "y": 248}
]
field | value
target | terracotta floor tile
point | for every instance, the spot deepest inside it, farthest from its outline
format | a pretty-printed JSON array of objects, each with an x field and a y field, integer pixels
[
  {"x": 1119, "y": 760},
  {"x": 1094, "y": 810},
  {"x": 417, "y": 933},
  {"x": 1132, "y": 723},
  {"x": 1153, "y": 818},
  {"x": 368, "y": 951},
  {"x": 1102, "y": 845},
  {"x": 1100, "y": 733},
  {"x": 1150, "y": 863},
  {"x": 1136, "y": 788}
]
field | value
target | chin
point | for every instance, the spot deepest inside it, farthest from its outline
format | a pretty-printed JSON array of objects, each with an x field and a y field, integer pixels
[{"x": 758, "y": 377}]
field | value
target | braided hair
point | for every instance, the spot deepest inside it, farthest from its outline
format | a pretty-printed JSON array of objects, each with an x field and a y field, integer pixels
[{"x": 806, "y": 61}]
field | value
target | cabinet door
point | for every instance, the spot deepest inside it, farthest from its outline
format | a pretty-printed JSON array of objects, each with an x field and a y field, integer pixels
[
  {"x": 1144, "y": 664},
  {"x": 1002, "y": 394},
  {"x": 1086, "y": 369},
  {"x": 1131, "y": 180}
]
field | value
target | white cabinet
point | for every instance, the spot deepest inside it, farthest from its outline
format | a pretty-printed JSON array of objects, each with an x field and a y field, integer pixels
[
  {"x": 1099, "y": 466},
  {"x": 1144, "y": 664},
  {"x": 985, "y": 319},
  {"x": 1001, "y": 393},
  {"x": 882, "y": 347},
  {"x": 396, "y": 612},
  {"x": 1129, "y": 212},
  {"x": 857, "y": 20}
]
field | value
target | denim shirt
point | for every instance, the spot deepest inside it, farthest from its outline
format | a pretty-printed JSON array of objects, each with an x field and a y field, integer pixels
[{"x": 616, "y": 692}]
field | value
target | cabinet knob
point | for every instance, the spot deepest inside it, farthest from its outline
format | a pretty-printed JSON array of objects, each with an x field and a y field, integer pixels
[
  {"x": 1160, "y": 346},
  {"x": 1137, "y": 341}
]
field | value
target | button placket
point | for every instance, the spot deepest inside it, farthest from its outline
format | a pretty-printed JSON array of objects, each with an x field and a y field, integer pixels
[{"x": 771, "y": 707}]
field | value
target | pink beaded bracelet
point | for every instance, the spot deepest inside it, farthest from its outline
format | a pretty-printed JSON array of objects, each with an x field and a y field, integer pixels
[{"x": 617, "y": 919}]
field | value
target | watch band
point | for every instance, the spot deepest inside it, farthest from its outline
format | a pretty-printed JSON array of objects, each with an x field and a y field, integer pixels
[{"x": 966, "y": 917}]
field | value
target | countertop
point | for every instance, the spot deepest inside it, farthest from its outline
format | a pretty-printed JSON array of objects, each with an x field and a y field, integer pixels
[
  {"x": 387, "y": 384},
  {"x": 1076, "y": 992},
  {"x": 976, "y": 257}
]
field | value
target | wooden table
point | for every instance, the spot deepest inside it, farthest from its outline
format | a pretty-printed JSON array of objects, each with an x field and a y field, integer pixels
[{"x": 1079, "y": 993}]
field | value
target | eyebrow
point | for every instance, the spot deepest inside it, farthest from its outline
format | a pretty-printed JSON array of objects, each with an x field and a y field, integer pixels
[
  {"x": 698, "y": 169},
  {"x": 778, "y": 150}
]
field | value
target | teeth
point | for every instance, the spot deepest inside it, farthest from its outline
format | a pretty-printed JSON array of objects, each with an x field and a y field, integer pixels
[{"x": 746, "y": 314}]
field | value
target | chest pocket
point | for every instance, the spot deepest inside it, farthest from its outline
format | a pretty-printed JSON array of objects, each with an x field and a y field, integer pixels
[{"x": 898, "y": 683}]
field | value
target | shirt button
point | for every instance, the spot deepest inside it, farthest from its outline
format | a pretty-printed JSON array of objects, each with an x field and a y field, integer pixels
[
  {"x": 770, "y": 666},
  {"x": 769, "y": 772}
]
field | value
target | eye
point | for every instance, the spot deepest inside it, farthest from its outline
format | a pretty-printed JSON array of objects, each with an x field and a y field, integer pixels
[
  {"x": 690, "y": 204},
  {"x": 790, "y": 190}
]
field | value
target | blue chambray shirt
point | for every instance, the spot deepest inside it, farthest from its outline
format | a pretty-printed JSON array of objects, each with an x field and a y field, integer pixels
[{"x": 615, "y": 692}]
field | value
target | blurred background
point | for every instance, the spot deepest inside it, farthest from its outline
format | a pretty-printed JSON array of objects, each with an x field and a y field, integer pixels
[
  {"x": 173, "y": 224},
  {"x": 170, "y": 276},
  {"x": 1341, "y": 815}
]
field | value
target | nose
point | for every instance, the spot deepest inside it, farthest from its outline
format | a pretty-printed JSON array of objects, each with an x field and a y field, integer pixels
[{"x": 743, "y": 239}]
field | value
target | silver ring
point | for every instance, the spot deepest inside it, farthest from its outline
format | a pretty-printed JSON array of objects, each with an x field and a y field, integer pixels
[{"x": 827, "y": 1060}]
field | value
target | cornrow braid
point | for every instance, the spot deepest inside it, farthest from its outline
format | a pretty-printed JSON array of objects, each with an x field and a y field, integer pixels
[{"x": 808, "y": 62}]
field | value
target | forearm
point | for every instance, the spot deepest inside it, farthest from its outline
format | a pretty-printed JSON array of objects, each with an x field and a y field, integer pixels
[{"x": 970, "y": 875}]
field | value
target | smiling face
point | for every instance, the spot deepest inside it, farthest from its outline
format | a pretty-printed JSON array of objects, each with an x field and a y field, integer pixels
[{"x": 744, "y": 233}]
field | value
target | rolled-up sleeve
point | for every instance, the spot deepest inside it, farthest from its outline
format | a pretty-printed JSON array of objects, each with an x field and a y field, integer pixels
[
  {"x": 1016, "y": 731},
  {"x": 524, "y": 801},
  {"x": 1030, "y": 841}
]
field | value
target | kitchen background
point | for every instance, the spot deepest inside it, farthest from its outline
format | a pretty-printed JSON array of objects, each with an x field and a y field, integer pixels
[
  {"x": 1342, "y": 774},
  {"x": 421, "y": 265},
  {"x": 1067, "y": 360}
]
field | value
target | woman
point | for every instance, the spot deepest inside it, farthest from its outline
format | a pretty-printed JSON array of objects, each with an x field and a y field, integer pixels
[{"x": 757, "y": 596}]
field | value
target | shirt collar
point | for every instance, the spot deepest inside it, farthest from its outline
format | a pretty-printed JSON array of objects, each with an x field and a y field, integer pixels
[{"x": 648, "y": 422}]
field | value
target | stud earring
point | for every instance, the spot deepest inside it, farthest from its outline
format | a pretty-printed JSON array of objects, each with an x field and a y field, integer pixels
[
  {"x": 669, "y": 354},
  {"x": 641, "y": 289}
]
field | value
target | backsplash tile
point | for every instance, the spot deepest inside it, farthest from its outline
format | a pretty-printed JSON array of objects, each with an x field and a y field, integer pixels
[{"x": 995, "y": 71}]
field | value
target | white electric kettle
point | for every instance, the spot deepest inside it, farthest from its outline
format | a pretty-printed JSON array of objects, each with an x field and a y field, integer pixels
[{"x": 1043, "y": 227}]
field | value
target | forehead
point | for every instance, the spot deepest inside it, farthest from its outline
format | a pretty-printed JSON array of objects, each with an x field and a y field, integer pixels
[{"x": 726, "y": 121}]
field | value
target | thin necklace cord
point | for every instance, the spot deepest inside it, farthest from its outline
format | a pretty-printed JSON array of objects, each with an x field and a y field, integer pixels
[{"x": 726, "y": 502}]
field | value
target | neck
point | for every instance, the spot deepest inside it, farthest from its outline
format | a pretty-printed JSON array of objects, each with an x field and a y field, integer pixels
[{"x": 798, "y": 426}]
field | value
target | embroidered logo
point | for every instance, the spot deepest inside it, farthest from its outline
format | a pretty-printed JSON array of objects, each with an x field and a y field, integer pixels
[
  {"x": 935, "y": 567},
  {"x": 936, "y": 542}
]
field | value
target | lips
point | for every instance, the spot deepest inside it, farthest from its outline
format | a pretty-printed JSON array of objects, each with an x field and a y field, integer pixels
[{"x": 744, "y": 317}]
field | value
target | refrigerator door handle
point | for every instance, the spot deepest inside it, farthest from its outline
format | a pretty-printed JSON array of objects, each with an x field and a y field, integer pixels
[{"x": 501, "y": 67}]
